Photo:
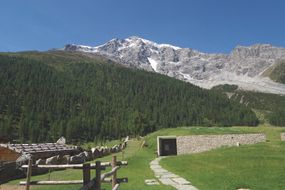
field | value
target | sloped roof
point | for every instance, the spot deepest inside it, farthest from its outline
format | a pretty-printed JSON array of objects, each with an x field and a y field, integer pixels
[{"x": 38, "y": 148}]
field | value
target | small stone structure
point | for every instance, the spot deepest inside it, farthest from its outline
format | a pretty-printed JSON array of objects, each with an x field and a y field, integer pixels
[
  {"x": 201, "y": 143},
  {"x": 282, "y": 136},
  {"x": 166, "y": 145}
]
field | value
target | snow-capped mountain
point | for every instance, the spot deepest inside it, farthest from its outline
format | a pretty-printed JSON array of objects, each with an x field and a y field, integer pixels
[{"x": 244, "y": 66}]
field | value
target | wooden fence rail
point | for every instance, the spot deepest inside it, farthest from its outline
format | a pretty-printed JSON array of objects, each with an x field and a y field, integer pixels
[{"x": 88, "y": 183}]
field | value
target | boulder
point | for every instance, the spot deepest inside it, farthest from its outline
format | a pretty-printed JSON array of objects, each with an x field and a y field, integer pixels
[
  {"x": 95, "y": 153},
  {"x": 23, "y": 159},
  {"x": 105, "y": 151},
  {"x": 78, "y": 159},
  {"x": 66, "y": 159},
  {"x": 112, "y": 150},
  {"x": 41, "y": 162},
  {"x": 52, "y": 160},
  {"x": 115, "y": 149},
  {"x": 88, "y": 155},
  {"x": 101, "y": 150}
]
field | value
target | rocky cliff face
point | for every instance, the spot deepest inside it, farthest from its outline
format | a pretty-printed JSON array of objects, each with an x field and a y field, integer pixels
[{"x": 244, "y": 66}]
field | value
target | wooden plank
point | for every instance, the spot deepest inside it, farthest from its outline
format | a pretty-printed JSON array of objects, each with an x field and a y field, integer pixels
[
  {"x": 122, "y": 180},
  {"x": 70, "y": 182},
  {"x": 108, "y": 174},
  {"x": 119, "y": 180},
  {"x": 122, "y": 163},
  {"x": 29, "y": 173},
  {"x": 66, "y": 166},
  {"x": 107, "y": 180},
  {"x": 98, "y": 176},
  {"x": 116, "y": 187},
  {"x": 114, "y": 176},
  {"x": 86, "y": 173},
  {"x": 77, "y": 166}
]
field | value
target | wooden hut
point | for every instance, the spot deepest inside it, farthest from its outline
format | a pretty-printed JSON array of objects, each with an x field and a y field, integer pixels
[{"x": 10, "y": 152}]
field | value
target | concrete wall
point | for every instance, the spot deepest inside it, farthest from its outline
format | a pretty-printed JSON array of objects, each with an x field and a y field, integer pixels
[
  {"x": 201, "y": 143},
  {"x": 282, "y": 136}
]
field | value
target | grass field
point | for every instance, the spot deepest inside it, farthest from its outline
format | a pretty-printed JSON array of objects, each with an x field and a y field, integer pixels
[
  {"x": 137, "y": 171},
  {"x": 259, "y": 166}
]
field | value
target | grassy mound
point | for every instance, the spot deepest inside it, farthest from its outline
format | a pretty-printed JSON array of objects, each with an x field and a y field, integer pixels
[{"x": 259, "y": 166}]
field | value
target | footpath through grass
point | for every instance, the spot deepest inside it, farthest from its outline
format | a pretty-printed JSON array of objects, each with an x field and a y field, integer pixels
[{"x": 258, "y": 167}]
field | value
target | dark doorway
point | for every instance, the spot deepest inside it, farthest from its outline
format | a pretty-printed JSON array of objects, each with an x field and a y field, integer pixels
[{"x": 168, "y": 147}]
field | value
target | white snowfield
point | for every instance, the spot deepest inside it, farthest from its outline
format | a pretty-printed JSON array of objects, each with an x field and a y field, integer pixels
[{"x": 244, "y": 66}]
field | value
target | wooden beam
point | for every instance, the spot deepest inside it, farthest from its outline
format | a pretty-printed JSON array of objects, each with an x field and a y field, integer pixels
[
  {"x": 116, "y": 187},
  {"x": 98, "y": 176},
  {"x": 86, "y": 173},
  {"x": 66, "y": 166},
  {"x": 70, "y": 182},
  {"x": 114, "y": 176},
  {"x": 108, "y": 174},
  {"x": 119, "y": 180},
  {"x": 122, "y": 180},
  {"x": 77, "y": 166},
  {"x": 29, "y": 173}
]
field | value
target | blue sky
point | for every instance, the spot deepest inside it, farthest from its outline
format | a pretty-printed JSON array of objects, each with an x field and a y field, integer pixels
[{"x": 205, "y": 25}]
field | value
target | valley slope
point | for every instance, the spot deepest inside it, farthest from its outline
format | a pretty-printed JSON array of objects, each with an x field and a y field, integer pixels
[{"x": 45, "y": 95}]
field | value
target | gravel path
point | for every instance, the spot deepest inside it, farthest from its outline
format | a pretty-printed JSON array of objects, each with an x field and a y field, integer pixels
[
  {"x": 12, "y": 187},
  {"x": 168, "y": 178}
]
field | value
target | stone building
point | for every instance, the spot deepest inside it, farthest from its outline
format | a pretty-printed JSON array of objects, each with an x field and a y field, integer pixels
[
  {"x": 11, "y": 152},
  {"x": 176, "y": 145}
]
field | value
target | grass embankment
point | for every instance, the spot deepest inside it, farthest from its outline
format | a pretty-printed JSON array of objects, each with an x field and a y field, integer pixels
[
  {"x": 258, "y": 167},
  {"x": 137, "y": 171}
]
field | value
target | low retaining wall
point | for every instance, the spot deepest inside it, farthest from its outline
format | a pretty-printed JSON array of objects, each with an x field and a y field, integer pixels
[
  {"x": 282, "y": 136},
  {"x": 201, "y": 143}
]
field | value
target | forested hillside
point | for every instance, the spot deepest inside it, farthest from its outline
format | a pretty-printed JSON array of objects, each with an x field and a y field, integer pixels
[
  {"x": 271, "y": 106},
  {"x": 46, "y": 95}
]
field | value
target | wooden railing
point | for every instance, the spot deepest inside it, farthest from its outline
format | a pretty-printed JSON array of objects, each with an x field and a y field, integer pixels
[{"x": 88, "y": 183}]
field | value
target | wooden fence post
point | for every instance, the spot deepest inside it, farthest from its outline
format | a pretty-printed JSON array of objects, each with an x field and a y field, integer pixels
[
  {"x": 86, "y": 174},
  {"x": 123, "y": 155},
  {"x": 114, "y": 176},
  {"x": 29, "y": 173},
  {"x": 98, "y": 176}
]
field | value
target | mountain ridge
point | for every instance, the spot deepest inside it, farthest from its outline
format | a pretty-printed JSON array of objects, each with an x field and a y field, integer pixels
[{"x": 243, "y": 66}]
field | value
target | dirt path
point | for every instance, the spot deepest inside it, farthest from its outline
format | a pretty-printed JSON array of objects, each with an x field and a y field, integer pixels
[{"x": 12, "y": 187}]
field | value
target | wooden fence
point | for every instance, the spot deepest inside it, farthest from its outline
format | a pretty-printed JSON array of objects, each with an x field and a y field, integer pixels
[{"x": 88, "y": 183}]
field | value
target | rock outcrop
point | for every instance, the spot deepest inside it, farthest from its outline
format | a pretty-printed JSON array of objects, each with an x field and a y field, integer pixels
[{"x": 244, "y": 66}]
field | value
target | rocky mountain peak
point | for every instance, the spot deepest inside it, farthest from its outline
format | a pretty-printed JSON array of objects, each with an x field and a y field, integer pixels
[{"x": 243, "y": 66}]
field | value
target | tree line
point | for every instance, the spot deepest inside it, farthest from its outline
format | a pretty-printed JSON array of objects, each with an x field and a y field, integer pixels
[{"x": 94, "y": 101}]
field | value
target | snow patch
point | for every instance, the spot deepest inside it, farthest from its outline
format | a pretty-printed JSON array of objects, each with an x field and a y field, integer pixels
[
  {"x": 153, "y": 63},
  {"x": 170, "y": 46}
]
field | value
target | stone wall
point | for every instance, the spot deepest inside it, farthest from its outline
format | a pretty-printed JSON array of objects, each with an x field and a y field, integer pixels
[
  {"x": 201, "y": 143},
  {"x": 282, "y": 136}
]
